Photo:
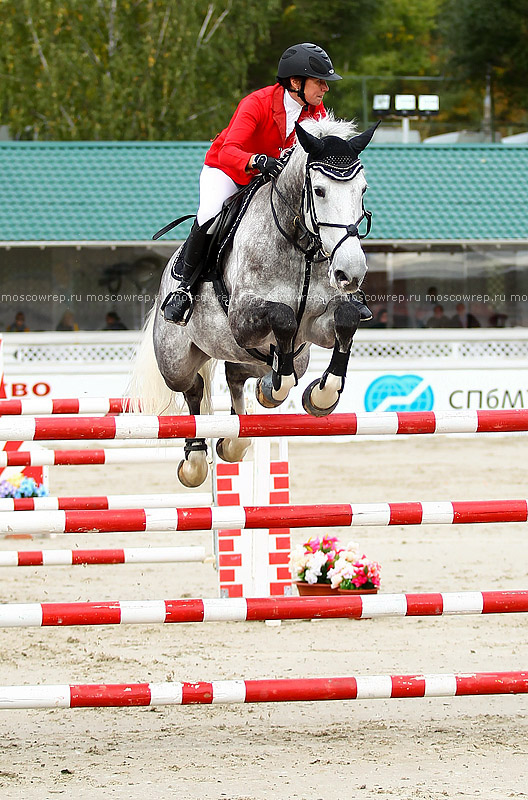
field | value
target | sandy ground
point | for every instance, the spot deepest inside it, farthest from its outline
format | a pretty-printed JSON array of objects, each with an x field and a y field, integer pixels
[{"x": 416, "y": 749}]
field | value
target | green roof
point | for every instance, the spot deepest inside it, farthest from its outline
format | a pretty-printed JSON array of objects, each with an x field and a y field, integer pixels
[{"x": 125, "y": 191}]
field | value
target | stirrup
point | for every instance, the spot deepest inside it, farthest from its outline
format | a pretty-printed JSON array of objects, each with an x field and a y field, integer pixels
[{"x": 178, "y": 306}]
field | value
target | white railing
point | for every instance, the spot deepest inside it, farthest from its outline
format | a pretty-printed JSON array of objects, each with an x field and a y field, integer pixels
[
  {"x": 111, "y": 351},
  {"x": 80, "y": 351}
]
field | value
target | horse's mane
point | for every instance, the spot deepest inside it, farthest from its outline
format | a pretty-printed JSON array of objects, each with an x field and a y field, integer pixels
[{"x": 330, "y": 126}]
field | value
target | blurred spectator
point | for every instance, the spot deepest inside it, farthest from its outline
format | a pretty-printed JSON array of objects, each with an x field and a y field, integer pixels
[
  {"x": 19, "y": 325},
  {"x": 114, "y": 323},
  {"x": 431, "y": 295},
  {"x": 498, "y": 319},
  {"x": 463, "y": 318},
  {"x": 439, "y": 319},
  {"x": 381, "y": 319},
  {"x": 67, "y": 322}
]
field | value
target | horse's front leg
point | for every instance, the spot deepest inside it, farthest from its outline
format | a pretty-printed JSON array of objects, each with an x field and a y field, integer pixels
[
  {"x": 253, "y": 325},
  {"x": 322, "y": 396},
  {"x": 273, "y": 388}
]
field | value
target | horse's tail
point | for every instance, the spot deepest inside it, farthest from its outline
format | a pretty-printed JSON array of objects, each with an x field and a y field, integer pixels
[
  {"x": 207, "y": 372},
  {"x": 148, "y": 391}
]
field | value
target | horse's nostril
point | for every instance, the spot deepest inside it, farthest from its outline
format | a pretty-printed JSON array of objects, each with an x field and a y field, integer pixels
[{"x": 346, "y": 283}]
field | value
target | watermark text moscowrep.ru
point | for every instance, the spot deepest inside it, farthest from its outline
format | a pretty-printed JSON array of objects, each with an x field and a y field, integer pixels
[
  {"x": 372, "y": 297},
  {"x": 77, "y": 298}
]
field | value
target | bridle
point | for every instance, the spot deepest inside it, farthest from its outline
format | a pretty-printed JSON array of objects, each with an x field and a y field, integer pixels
[
  {"x": 346, "y": 173},
  {"x": 308, "y": 239}
]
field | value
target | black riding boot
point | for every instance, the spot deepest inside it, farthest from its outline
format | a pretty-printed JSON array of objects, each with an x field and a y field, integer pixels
[{"x": 178, "y": 305}]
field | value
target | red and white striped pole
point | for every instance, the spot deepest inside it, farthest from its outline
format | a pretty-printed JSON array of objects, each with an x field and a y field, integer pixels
[
  {"x": 116, "y": 555},
  {"x": 131, "y": 426},
  {"x": 105, "y": 502},
  {"x": 66, "y": 405},
  {"x": 243, "y": 609},
  {"x": 289, "y": 690},
  {"x": 43, "y": 457},
  {"x": 277, "y": 517}
]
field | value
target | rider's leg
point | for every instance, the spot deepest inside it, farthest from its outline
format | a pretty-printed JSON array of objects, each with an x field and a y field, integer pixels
[
  {"x": 177, "y": 306},
  {"x": 215, "y": 188}
]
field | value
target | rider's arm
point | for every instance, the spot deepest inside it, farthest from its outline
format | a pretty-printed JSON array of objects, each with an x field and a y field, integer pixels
[{"x": 237, "y": 150}]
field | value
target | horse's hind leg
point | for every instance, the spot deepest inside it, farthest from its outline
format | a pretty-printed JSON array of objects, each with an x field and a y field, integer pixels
[
  {"x": 322, "y": 396},
  {"x": 193, "y": 469},
  {"x": 236, "y": 375}
]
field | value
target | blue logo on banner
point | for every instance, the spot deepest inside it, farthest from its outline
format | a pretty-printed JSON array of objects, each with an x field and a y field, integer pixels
[{"x": 399, "y": 393}]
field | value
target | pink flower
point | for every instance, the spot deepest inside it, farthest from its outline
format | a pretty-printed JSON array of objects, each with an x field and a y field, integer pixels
[{"x": 329, "y": 542}]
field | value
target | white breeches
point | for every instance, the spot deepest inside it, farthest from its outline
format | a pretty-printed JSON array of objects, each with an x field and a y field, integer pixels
[{"x": 215, "y": 188}]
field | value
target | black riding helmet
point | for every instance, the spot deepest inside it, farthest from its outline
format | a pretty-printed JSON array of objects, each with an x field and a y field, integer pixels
[{"x": 306, "y": 61}]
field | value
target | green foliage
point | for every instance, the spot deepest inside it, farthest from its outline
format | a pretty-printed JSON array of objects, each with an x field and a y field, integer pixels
[
  {"x": 175, "y": 69},
  {"x": 482, "y": 37},
  {"x": 339, "y": 26},
  {"x": 399, "y": 40},
  {"x": 126, "y": 69}
]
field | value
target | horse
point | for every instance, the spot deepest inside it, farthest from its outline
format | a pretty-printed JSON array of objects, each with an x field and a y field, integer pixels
[{"x": 291, "y": 272}]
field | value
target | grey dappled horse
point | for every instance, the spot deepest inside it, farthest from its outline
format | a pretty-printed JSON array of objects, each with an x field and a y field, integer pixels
[{"x": 296, "y": 260}]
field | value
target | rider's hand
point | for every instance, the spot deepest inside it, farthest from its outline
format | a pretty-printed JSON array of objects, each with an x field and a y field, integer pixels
[{"x": 267, "y": 165}]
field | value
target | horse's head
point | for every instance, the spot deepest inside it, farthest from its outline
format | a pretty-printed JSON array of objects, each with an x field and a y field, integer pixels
[{"x": 333, "y": 198}]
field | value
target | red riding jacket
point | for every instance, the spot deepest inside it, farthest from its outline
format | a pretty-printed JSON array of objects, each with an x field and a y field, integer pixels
[{"x": 257, "y": 126}]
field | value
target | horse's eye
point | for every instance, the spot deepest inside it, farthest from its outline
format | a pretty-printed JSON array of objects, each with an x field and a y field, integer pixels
[{"x": 320, "y": 192}]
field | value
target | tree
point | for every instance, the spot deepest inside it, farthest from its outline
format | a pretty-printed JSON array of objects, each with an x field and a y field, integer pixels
[
  {"x": 482, "y": 39},
  {"x": 363, "y": 37},
  {"x": 126, "y": 69},
  {"x": 339, "y": 26}
]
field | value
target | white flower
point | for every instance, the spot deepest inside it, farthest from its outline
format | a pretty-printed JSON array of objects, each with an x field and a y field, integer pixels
[
  {"x": 317, "y": 560},
  {"x": 341, "y": 570}
]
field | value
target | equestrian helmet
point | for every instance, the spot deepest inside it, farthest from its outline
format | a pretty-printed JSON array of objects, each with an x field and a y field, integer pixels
[{"x": 306, "y": 60}]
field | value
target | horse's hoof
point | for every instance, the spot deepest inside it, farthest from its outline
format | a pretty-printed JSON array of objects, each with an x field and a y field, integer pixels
[
  {"x": 312, "y": 409},
  {"x": 189, "y": 476},
  {"x": 232, "y": 450},
  {"x": 264, "y": 396}
]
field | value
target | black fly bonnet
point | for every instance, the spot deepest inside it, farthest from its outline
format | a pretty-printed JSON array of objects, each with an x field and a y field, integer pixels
[{"x": 338, "y": 159}]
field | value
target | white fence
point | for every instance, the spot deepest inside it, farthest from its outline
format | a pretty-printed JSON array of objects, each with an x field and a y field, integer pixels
[{"x": 478, "y": 368}]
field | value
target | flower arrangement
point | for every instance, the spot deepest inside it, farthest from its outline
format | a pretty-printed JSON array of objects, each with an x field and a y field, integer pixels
[
  {"x": 20, "y": 485},
  {"x": 324, "y": 560}
]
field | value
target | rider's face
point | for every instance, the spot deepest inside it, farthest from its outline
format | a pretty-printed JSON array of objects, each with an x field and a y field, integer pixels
[{"x": 314, "y": 90}]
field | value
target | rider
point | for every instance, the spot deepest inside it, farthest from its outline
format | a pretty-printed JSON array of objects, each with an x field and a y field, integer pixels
[{"x": 260, "y": 129}]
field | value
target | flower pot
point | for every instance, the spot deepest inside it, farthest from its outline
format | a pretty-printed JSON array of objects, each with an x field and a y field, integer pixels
[
  {"x": 358, "y": 591},
  {"x": 311, "y": 589}
]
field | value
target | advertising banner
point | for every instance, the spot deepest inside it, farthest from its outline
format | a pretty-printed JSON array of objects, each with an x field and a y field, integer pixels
[{"x": 365, "y": 389}]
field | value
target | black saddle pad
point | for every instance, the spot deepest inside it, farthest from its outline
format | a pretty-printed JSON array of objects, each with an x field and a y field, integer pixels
[{"x": 232, "y": 212}]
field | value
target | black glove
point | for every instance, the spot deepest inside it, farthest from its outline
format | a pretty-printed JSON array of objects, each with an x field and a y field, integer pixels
[{"x": 267, "y": 165}]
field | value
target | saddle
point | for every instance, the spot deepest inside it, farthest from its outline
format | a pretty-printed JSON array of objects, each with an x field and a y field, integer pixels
[{"x": 228, "y": 222}]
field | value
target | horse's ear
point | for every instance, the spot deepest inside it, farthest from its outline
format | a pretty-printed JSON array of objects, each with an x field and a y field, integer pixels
[
  {"x": 310, "y": 144},
  {"x": 359, "y": 142}
]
